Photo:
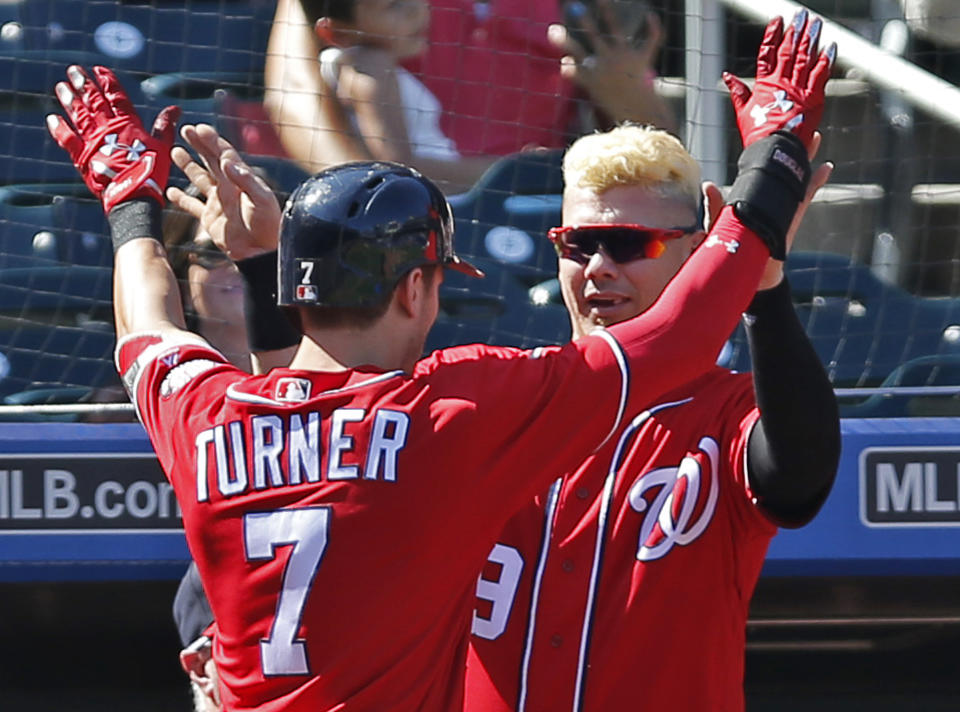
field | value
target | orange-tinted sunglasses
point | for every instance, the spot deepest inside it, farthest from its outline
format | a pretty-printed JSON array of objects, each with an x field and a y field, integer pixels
[{"x": 623, "y": 243}]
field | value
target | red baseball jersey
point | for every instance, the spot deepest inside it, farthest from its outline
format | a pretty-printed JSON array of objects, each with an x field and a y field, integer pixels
[
  {"x": 338, "y": 519},
  {"x": 627, "y": 585}
]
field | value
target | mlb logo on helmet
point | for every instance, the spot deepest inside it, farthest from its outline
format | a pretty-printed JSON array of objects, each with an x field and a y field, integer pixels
[{"x": 306, "y": 293}]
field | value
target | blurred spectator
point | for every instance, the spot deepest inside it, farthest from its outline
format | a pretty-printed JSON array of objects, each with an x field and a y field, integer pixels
[
  {"x": 194, "y": 621},
  {"x": 394, "y": 116},
  {"x": 213, "y": 301},
  {"x": 211, "y": 287},
  {"x": 495, "y": 68},
  {"x": 935, "y": 20}
]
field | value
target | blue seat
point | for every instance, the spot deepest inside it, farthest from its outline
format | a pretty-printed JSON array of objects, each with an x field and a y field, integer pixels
[
  {"x": 43, "y": 223},
  {"x": 52, "y": 355},
  {"x": 506, "y": 215},
  {"x": 199, "y": 94},
  {"x": 917, "y": 374},
  {"x": 80, "y": 292},
  {"x": 151, "y": 38},
  {"x": 863, "y": 328},
  {"x": 496, "y": 310},
  {"x": 27, "y": 77}
]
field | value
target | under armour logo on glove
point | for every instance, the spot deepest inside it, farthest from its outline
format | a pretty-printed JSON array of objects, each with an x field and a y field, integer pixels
[
  {"x": 780, "y": 103},
  {"x": 112, "y": 143},
  {"x": 791, "y": 82},
  {"x": 107, "y": 142}
]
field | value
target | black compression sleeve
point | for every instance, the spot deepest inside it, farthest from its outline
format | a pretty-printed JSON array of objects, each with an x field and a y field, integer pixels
[
  {"x": 795, "y": 447},
  {"x": 268, "y": 328}
]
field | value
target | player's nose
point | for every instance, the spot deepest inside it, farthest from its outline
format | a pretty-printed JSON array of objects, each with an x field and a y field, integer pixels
[{"x": 600, "y": 266}]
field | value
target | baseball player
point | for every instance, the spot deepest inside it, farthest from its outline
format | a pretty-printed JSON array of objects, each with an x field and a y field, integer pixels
[
  {"x": 627, "y": 584},
  {"x": 339, "y": 509},
  {"x": 194, "y": 621}
]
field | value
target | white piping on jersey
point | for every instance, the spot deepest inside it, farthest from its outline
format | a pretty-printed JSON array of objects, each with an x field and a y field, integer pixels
[
  {"x": 605, "y": 503},
  {"x": 168, "y": 341},
  {"x": 621, "y": 358},
  {"x": 746, "y": 465},
  {"x": 552, "y": 496},
  {"x": 235, "y": 394}
]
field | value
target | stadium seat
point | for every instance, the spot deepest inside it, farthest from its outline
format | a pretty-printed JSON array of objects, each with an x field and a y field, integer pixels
[
  {"x": 151, "y": 37},
  {"x": 495, "y": 310},
  {"x": 27, "y": 153},
  {"x": 505, "y": 216},
  {"x": 45, "y": 396},
  {"x": 924, "y": 371},
  {"x": 862, "y": 327},
  {"x": 59, "y": 291},
  {"x": 54, "y": 355},
  {"x": 201, "y": 95},
  {"x": 40, "y": 223}
]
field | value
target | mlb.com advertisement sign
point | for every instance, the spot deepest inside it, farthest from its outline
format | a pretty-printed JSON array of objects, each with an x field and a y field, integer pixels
[
  {"x": 910, "y": 486},
  {"x": 85, "y": 493}
]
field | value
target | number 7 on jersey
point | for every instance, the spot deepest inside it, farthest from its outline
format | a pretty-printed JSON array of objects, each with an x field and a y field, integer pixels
[{"x": 305, "y": 528}]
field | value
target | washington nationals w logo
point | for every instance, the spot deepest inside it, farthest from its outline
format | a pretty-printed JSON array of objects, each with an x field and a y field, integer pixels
[{"x": 678, "y": 513}]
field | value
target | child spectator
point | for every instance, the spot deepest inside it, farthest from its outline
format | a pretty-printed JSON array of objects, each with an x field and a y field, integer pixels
[
  {"x": 494, "y": 66},
  {"x": 391, "y": 114}
]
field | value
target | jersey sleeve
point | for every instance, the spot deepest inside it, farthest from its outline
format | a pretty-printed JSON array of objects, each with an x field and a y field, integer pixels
[
  {"x": 163, "y": 372},
  {"x": 521, "y": 418}
]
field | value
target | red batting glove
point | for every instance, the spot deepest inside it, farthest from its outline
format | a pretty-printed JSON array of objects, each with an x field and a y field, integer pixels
[
  {"x": 107, "y": 142},
  {"x": 791, "y": 80}
]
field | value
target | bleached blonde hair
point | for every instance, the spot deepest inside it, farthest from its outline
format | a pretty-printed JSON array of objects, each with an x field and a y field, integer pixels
[{"x": 629, "y": 155}]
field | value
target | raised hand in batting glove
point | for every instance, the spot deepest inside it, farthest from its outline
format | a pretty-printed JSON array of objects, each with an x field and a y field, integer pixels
[
  {"x": 791, "y": 80},
  {"x": 116, "y": 156}
]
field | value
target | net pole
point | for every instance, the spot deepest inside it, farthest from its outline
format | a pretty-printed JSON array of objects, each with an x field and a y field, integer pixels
[{"x": 703, "y": 63}]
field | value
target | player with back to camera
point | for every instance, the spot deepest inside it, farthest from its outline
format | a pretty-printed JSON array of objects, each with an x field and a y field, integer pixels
[
  {"x": 339, "y": 510},
  {"x": 629, "y": 581}
]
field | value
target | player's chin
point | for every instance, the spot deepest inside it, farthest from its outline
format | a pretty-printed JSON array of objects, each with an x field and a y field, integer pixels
[{"x": 610, "y": 315}]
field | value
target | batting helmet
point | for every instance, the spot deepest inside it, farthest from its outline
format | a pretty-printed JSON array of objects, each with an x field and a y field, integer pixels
[{"x": 350, "y": 233}]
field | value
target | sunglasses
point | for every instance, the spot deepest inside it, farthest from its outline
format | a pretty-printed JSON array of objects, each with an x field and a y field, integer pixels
[{"x": 623, "y": 243}]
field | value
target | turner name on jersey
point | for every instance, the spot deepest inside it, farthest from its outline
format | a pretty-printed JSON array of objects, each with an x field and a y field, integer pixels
[{"x": 246, "y": 454}]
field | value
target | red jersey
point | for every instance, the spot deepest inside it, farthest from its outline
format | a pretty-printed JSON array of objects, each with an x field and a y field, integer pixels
[
  {"x": 627, "y": 585},
  {"x": 496, "y": 75},
  {"x": 338, "y": 519}
]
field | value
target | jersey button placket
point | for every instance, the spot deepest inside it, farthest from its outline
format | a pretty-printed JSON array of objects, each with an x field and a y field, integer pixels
[
  {"x": 567, "y": 565},
  {"x": 556, "y": 641}
]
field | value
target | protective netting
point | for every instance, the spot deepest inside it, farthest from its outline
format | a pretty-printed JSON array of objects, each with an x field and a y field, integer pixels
[{"x": 876, "y": 269}]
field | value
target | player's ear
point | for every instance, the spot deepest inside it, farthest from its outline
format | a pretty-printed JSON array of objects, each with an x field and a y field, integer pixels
[{"x": 410, "y": 292}]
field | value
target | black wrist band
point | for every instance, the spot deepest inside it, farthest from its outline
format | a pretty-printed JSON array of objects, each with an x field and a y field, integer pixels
[
  {"x": 771, "y": 183},
  {"x": 268, "y": 328},
  {"x": 134, "y": 219}
]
